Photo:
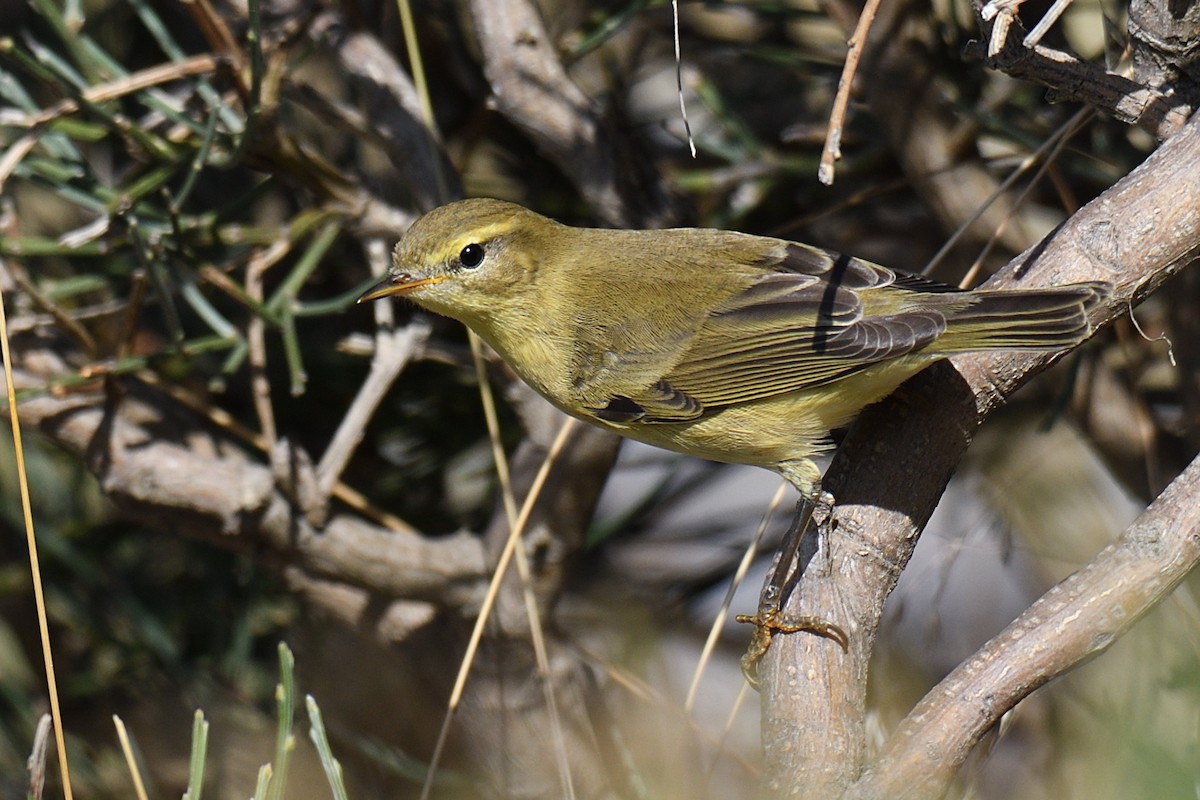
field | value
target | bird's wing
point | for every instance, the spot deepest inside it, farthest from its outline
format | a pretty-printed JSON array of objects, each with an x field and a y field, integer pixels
[{"x": 801, "y": 325}]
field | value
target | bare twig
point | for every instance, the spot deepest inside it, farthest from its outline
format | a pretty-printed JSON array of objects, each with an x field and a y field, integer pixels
[
  {"x": 394, "y": 349},
  {"x": 687, "y": 125},
  {"x": 1002, "y": 14},
  {"x": 1044, "y": 158},
  {"x": 256, "y": 331},
  {"x": 837, "y": 117},
  {"x": 240, "y": 433},
  {"x": 1046, "y": 22}
]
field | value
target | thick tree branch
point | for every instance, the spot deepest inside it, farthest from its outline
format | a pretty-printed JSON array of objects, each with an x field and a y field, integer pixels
[
  {"x": 1073, "y": 622},
  {"x": 895, "y": 462}
]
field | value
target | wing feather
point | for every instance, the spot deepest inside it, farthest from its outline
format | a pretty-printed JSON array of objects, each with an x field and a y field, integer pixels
[{"x": 801, "y": 327}]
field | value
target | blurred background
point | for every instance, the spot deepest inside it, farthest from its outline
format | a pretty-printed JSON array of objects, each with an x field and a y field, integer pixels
[{"x": 193, "y": 194}]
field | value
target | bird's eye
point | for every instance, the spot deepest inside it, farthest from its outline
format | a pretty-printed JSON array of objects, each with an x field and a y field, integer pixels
[{"x": 471, "y": 256}]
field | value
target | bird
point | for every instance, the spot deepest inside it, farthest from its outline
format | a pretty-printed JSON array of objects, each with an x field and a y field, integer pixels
[{"x": 724, "y": 345}]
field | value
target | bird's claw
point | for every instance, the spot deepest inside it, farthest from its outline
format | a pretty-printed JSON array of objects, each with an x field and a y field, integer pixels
[{"x": 771, "y": 621}]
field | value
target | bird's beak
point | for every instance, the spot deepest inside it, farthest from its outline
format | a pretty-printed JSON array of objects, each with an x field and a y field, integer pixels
[{"x": 398, "y": 283}]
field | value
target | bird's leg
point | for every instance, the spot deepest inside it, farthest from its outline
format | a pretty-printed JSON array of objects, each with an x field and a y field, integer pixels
[
  {"x": 822, "y": 518},
  {"x": 769, "y": 619}
]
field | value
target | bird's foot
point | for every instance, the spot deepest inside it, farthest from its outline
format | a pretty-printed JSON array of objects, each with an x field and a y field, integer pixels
[{"x": 771, "y": 621}]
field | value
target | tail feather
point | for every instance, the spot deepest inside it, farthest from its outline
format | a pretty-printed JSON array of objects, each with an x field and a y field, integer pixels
[{"x": 1024, "y": 319}]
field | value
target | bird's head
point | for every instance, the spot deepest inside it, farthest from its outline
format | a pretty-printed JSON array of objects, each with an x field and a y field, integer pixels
[{"x": 468, "y": 258}]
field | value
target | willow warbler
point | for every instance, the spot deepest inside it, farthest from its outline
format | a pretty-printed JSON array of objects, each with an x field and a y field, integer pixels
[{"x": 722, "y": 345}]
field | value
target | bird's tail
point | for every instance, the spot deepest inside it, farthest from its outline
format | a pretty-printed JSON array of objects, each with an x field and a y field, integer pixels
[{"x": 1024, "y": 319}]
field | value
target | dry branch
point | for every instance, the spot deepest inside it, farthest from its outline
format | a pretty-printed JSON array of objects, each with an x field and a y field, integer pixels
[
  {"x": 171, "y": 470},
  {"x": 533, "y": 90},
  {"x": 1076, "y": 620},
  {"x": 1150, "y": 99},
  {"x": 903, "y": 451}
]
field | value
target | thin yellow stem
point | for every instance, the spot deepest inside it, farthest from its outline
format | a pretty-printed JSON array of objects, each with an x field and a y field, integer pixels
[
  {"x": 511, "y": 548},
  {"x": 415, "y": 63},
  {"x": 34, "y": 566},
  {"x": 417, "y": 66}
]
